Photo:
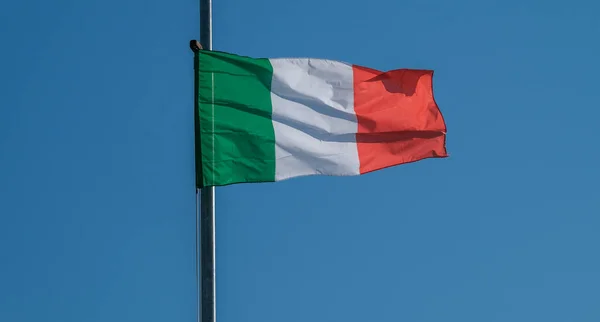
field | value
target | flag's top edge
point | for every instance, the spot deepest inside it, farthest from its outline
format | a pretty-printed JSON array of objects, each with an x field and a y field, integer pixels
[
  {"x": 202, "y": 51},
  {"x": 208, "y": 52}
]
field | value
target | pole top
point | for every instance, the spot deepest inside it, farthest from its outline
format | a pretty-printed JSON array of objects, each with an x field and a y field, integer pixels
[{"x": 195, "y": 45}]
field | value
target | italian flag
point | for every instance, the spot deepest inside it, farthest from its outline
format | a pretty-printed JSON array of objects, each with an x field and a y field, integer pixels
[{"x": 265, "y": 120}]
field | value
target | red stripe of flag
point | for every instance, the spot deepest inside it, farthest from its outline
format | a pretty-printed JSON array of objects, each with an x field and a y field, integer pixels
[{"x": 398, "y": 118}]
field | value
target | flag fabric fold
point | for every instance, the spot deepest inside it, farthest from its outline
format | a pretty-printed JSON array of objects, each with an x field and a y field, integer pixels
[{"x": 266, "y": 120}]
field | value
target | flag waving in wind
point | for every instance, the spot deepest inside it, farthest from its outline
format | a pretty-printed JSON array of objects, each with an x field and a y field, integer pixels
[{"x": 265, "y": 120}]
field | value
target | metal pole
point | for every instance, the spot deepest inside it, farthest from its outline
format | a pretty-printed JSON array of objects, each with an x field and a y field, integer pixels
[
  {"x": 206, "y": 24},
  {"x": 207, "y": 255},
  {"x": 207, "y": 204}
]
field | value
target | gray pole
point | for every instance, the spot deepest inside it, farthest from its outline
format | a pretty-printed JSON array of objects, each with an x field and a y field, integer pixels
[
  {"x": 207, "y": 255},
  {"x": 207, "y": 204}
]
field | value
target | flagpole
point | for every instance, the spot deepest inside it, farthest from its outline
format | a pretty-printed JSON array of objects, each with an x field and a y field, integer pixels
[{"x": 207, "y": 287}]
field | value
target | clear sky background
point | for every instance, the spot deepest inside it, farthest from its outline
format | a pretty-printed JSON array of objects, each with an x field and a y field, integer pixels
[{"x": 97, "y": 179}]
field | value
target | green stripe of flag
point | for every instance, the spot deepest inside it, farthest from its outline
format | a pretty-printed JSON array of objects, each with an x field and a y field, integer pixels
[{"x": 237, "y": 140}]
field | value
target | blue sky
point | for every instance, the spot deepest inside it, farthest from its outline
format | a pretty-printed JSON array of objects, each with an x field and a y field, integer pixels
[{"x": 97, "y": 184}]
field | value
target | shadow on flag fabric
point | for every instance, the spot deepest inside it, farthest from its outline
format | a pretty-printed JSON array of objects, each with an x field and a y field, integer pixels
[{"x": 266, "y": 120}]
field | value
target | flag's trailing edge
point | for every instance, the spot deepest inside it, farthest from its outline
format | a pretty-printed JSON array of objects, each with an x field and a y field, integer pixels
[{"x": 265, "y": 120}]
